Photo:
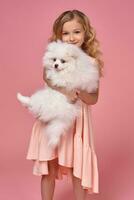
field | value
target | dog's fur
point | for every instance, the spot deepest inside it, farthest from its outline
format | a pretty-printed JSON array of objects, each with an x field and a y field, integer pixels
[{"x": 67, "y": 66}]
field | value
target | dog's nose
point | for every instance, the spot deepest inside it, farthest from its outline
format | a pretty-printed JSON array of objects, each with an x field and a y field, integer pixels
[{"x": 56, "y": 66}]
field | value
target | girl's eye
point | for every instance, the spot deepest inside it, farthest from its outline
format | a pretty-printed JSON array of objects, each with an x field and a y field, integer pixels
[
  {"x": 77, "y": 31},
  {"x": 54, "y": 59},
  {"x": 64, "y": 33},
  {"x": 63, "y": 61}
]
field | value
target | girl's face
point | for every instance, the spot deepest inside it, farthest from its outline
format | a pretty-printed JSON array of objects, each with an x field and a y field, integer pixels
[{"x": 73, "y": 33}]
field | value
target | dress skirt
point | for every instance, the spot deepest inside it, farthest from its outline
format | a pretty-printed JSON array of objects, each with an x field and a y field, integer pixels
[{"x": 75, "y": 152}]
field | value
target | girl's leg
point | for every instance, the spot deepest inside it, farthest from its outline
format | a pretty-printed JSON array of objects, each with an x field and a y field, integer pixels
[
  {"x": 48, "y": 181},
  {"x": 79, "y": 192}
]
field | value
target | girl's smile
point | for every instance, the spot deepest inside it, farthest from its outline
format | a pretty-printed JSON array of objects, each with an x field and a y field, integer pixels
[{"x": 73, "y": 32}]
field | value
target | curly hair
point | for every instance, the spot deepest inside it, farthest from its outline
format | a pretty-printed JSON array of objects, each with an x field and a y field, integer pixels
[{"x": 90, "y": 45}]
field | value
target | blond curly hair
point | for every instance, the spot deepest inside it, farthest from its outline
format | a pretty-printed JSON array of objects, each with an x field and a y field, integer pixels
[{"x": 90, "y": 45}]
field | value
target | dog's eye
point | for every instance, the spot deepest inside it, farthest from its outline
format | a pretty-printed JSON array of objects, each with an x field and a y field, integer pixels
[
  {"x": 63, "y": 61},
  {"x": 54, "y": 59}
]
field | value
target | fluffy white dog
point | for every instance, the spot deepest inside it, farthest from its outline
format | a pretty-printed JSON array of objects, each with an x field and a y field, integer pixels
[{"x": 70, "y": 67}]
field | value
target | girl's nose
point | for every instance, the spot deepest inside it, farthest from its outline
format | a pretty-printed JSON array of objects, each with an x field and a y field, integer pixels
[{"x": 71, "y": 38}]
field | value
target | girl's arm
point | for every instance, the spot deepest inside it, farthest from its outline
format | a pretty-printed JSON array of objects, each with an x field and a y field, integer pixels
[{"x": 88, "y": 98}]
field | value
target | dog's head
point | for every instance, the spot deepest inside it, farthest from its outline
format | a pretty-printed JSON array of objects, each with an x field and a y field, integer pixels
[{"x": 60, "y": 56}]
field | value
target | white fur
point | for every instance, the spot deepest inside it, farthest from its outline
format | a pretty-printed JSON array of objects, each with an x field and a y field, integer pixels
[{"x": 79, "y": 71}]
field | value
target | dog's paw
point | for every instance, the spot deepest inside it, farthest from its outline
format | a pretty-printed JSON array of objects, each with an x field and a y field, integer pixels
[
  {"x": 18, "y": 96},
  {"x": 24, "y": 100}
]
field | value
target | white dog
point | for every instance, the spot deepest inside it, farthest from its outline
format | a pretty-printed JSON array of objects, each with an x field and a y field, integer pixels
[{"x": 67, "y": 66}]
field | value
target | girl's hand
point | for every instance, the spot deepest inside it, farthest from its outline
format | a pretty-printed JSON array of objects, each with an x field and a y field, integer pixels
[{"x": 72, "y": 96}]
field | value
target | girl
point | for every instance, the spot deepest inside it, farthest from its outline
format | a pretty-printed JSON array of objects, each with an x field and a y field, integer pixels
[{"x": 75, "y": 155}]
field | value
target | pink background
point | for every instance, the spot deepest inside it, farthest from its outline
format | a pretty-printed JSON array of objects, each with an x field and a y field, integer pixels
[{"x": 25, "y": 27}]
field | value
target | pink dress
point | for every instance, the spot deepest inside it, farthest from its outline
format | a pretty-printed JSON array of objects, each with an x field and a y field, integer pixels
[{"x": 75, "y": 152}]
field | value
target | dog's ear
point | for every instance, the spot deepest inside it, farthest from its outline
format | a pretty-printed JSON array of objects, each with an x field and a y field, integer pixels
[
  {"x": 73, "y": 51},
  {"x": 51, "y": 46},
  {"x": 59, "y": 41}
]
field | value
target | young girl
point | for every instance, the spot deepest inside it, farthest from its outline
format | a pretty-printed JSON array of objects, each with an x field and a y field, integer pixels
[{"x": 75, "y": 155}]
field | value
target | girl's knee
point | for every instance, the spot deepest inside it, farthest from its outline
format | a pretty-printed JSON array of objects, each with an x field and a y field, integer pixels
[
  {"x": 48, "y": 177},
  {"x": 52, "y": 169}
]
